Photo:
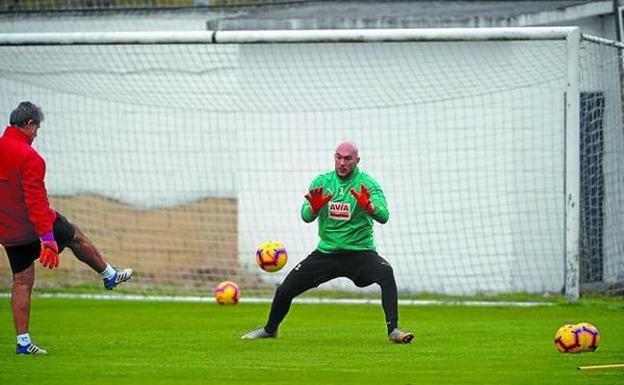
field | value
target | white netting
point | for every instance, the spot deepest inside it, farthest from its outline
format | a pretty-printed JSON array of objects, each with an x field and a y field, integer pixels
[
  {"x": 180, "y": 159},
  {"x": 602, "y": 168}
]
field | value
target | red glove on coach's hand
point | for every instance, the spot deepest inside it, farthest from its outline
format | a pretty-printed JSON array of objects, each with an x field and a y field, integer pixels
[
  {"x": 363, "y": 199},
  {"x": 49, "y": 256},
  {"x": 317, "y": 199}
]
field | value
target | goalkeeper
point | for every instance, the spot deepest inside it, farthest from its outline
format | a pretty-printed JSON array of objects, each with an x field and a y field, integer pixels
[
  {"x": 29, "y": 228},
  {"x": 345, "y": 201}
]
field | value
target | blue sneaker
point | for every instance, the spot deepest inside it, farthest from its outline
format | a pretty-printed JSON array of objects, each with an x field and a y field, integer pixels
[
  {"x": 119, "y": 277},
  {"x": 30, "y": 349}
]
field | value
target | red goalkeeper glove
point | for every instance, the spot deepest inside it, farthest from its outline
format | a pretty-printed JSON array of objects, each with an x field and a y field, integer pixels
[
  {"x": 317, "y": 199},
  {"x": 49, "y": 256},
  {"x": 363, "y": 199}
]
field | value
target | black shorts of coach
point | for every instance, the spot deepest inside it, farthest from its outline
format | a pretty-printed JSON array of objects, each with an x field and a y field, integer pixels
[{"x": 22, "y": 256}]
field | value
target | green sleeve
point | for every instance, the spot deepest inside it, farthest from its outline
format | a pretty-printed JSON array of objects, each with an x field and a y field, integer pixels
[
  {"x": 380, "y": 214},
  {"x": 306, "y": 213}
]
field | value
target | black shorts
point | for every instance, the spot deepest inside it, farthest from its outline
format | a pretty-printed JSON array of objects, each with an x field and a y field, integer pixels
[
  {"x": 363, "y": 268},
  {"x": 21, "y": 257}
]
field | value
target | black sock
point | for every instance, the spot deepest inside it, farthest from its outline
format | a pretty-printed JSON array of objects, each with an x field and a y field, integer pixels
[{"x": 391, "y": 326}]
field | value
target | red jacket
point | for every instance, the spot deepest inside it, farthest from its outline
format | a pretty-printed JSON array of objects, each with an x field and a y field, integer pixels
[{"x": 25, "y": 212}]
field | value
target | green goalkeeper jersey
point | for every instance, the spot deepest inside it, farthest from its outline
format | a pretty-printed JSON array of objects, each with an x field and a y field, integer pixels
[{"x": 342, "y": 224}]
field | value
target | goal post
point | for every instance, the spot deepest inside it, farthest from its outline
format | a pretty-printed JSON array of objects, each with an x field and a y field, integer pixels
[
  {"x": 500, "y": 150},
  {"x": 572, "y": 167}
]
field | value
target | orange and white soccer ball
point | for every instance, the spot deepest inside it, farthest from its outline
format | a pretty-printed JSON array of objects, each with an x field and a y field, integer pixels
[
  {"x": 227, "y": 293},
  {"x": 576, "y": 338},
  {"x": 271, "y": 256}
]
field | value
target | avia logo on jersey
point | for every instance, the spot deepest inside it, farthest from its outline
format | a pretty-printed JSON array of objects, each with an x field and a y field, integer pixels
[{"x": 340, "y": 210}]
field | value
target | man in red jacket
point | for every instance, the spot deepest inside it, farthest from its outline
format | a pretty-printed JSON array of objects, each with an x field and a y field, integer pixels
[{"x": 29, "y": 228}]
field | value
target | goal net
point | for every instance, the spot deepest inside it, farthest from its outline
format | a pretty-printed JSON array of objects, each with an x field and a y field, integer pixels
[{"x": 500, "y": 152}]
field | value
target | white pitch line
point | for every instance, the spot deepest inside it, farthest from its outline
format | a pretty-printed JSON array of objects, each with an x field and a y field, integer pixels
[{"x": 165, "y": 298}]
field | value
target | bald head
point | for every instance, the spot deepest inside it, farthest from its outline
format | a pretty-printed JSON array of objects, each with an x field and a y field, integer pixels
[
  {"x": 347, "y": 146},
  {"x": 346, "y": 158}
]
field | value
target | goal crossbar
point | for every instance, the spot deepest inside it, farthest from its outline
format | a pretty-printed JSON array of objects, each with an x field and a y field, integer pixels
[{"x": 283, "y": 36}]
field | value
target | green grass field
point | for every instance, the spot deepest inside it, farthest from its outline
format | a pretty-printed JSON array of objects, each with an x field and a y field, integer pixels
[{"x": 122, "y": 342}]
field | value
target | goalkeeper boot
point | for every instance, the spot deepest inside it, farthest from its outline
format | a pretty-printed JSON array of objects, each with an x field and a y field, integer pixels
[
  {"x": 30, "y": 349},
  {"x": 259, "y": 333},
  {"x": 398, "y": 336},
  {"x": 119, "y": 277}
]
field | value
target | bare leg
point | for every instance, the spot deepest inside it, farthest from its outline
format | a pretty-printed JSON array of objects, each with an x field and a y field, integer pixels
[
  {"x": 20, "y": 298},
  {"x": 86, "y": 252}
]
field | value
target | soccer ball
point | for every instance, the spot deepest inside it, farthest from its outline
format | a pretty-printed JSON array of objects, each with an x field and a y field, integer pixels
[
  {"x": 588, "y": 335},
  {"x": 582, "y": 337},
  {"x": 227, "y": 293},
  {"x": 567, "y": 339},
  {"x": 271, "y": 256}
]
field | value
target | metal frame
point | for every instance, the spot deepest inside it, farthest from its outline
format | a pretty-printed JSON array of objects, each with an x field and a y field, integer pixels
[{"x": 299, "y": 36}]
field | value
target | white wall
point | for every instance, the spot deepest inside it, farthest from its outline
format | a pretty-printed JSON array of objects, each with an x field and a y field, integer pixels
[{"x": 597, "y": 24}]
